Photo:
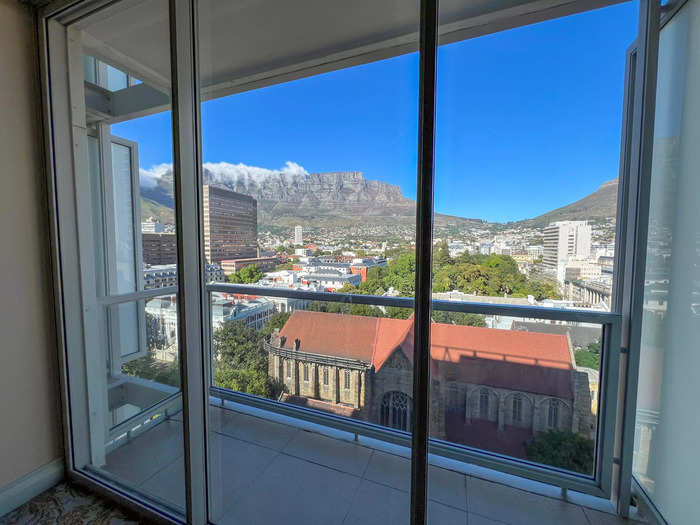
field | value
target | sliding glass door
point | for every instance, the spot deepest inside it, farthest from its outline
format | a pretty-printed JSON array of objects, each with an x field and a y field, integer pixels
[{"x": 310, "y": 254}]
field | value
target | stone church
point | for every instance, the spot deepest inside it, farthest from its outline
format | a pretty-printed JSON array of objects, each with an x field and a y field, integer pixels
[{"x": 492, "y": 389}]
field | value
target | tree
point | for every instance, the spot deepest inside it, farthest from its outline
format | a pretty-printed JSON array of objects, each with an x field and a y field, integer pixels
[
  {"x": 247, "y": 275},
  {"x": 276, "y": 321},
  {"x": 559, "y": 448},
  {"x": 458, "y": 318},
  {"x": 441, "y": 257},
  {"x": 240, "y": 360},
  {"x": 148, "y": 367}
]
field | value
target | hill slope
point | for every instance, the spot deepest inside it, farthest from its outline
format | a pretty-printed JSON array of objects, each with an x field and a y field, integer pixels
[{"x": 600, "y": 204}]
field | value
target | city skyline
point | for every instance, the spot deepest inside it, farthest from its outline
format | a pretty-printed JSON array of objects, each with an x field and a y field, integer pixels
[{"x": 558, "y": 147}]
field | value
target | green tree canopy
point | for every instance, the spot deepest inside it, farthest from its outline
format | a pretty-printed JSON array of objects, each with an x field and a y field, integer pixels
[
  {"x": 248, "y": 275},
  {"x": 559, "y": 448}
]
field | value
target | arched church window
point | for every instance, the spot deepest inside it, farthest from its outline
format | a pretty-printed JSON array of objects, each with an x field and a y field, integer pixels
[{"x": 396, "y": 410}]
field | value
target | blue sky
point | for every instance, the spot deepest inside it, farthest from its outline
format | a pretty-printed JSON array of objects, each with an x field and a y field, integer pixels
[{"x": 527, "y": 120}]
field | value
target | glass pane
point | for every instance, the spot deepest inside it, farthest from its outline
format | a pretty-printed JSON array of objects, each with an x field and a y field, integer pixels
[
  {"x": 116, "y": 79},
  {"x": 667, "y": 422},
  {"x": 526, "y": 158},
  {"x": 126, "y": 328},
  {"x": 309, "y": 140},
  {"x": 131, "y": 361},
  {"x": 123, "y": 209},
  {"x": 526, "y": 178},
  {"x": 524, "y": 388}
]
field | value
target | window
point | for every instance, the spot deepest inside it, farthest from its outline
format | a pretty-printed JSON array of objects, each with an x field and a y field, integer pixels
[
  {"x": 396, "y": 410},
  {"x": 492, "y": 256},
  {"x": 484, "y": 404},
  {"x": 517, "y": 408},
  {"x": 553, "y": 413}
]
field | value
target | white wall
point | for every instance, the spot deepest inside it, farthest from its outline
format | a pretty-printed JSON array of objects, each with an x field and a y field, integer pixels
[
  {"x": 30, "y": 434},
  {"x": 667, "y": 461}
]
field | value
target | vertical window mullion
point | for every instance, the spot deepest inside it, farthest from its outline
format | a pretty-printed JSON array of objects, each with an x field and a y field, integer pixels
[
  {"x": 187, "y": 186},
  {"x": 424, "y": 244}
]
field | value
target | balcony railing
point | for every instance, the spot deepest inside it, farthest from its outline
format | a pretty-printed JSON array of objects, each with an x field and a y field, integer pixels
[{"x": 597, "y": 483}]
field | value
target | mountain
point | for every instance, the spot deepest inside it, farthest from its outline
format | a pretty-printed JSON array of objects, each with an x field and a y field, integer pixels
[
  {"x": 601, "y": 204},
  {"x": 290, "y": 197},
  {"x": 316, "y": 199}
]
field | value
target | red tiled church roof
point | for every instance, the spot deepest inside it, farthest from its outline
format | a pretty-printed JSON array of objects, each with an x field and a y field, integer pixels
[{"x": 525, "y": 361}]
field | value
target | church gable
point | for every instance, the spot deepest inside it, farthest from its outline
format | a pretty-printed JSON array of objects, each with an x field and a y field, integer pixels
[{"x": 398, "y": 360}]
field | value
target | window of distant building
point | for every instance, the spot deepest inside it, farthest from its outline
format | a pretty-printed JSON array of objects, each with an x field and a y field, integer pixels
[
  {"x": 325, "y": 377},
  {"x": 289, "y": 369},
  {"x": 553, "y": 413},
  {"x": 347, "y": 380},
  {"x": 484, "y": 404},
  {"x": 306, "y": 372},
  {"x": 396, "y": 411},
  {"x": 517, "y": 408}
]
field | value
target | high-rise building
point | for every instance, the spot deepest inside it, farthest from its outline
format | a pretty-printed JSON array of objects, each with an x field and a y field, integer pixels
[
  {"x": 152, "y": 227},
  {"x": 298, "y": 235},
  {"x": 564, "y": 239},
  {"x": 159, "y": 248},
  {"x": 230, "y": 225}
]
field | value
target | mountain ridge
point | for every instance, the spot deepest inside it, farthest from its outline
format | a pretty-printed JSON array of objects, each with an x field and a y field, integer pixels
[{"x": 287, "y": 198}]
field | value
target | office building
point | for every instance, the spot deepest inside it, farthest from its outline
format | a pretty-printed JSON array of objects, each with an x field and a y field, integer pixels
[
  {"x": 159, "y": 248},
  {"x": 298, "y": 235},
  {"x": 230, "y": 224},
  {"x": 564, "y": 240}
]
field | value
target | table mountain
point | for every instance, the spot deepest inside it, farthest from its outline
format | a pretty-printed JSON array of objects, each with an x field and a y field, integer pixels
[{"x": 316, "y": 199}]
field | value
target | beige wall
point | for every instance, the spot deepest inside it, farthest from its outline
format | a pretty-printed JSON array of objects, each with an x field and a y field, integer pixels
[{"x": 30, "y": 432}]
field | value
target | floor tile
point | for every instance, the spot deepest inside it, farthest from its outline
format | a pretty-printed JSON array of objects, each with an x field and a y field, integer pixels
[
  {"x": 168, "y": 484},
  {"x": 596, "y": 517},
  {"x": 142, "y": 457},
  {"x": 380, "y": 505},
  {"x": 293, "y": 490},
  {"x": 250, "y": 428},
  {"x": 515, "y": 506},
  {"x": 448, "y": 487},
  {"x": 234, "y": 464},
  {"x": 439, "y": 514},
  {"x": 342, "y": 455},
  {"x": 475, "y": 519},
  {"x": 389, "y": 469}
]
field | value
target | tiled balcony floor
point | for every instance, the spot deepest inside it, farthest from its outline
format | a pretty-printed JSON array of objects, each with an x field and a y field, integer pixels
[{"x": 267, "y": 472}]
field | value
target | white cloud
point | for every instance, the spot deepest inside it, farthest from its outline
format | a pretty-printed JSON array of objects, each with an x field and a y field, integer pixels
[
  {"x": 225, "y": 172},
  {"x": 149, "y": 178}
]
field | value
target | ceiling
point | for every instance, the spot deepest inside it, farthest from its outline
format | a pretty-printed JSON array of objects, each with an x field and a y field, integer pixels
[{"x": 248, "y": 43}]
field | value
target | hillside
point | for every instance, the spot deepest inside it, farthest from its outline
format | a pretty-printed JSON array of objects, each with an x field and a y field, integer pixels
[{"x": 598, "y": 205}]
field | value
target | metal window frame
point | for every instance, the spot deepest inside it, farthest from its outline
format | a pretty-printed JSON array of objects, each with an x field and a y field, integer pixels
[{"x": 64, "y": 226}]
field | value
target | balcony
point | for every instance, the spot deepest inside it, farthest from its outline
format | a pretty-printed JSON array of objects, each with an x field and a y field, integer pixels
[{"x": 269, "y": 468}]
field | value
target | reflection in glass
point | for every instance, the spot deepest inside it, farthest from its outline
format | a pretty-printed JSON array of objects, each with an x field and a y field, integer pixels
[{"x": 665, "y": 460}]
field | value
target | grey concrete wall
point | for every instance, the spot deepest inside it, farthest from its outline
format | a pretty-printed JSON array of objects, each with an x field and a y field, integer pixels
[{"x": 29, "y": 401}]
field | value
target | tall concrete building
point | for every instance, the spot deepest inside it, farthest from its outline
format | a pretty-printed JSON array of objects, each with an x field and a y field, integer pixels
[
  {"x": 298, "y": 235},
  {"x": 565, "y": 239},
  {"x": 230, "y": 225},
  {"x": 159, "y": 248}
]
